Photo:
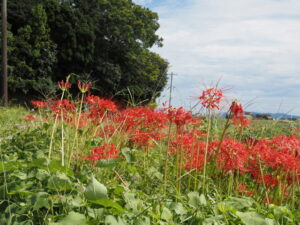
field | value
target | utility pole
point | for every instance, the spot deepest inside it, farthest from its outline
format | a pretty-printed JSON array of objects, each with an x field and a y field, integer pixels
[
  {"x": 4, "y": 92},
  {"x": 171, "y": 89}
]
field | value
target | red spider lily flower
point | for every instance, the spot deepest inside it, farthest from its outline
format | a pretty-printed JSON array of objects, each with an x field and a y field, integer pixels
[
  {"x": 232, "y": 155},
  {"x": 28, "y": 118},
  {"x": 98, "y": 107},
  {"x": 107, "y": 131},
  {"x": 269, "y": 180},
  {"x": 237, "y": 113},
  {"x": 141, "y": 118},
  {"x": 62, "y": 107},
  {"x": 211, "y": 98},
  {"x": 106, "y": 151},
  {"x": 64, "y": 85},
  {"x": 274, "y": 157},
  {"x": 236, "y": 109},
  {"x": 143, "y": 138},
  {"x": 73, "y": 120},
  {"x": 39, "y": 104},
  {"x": 84, "y": 87},
  {"x": 194, "y": 154},
  {"x": 279, "y": 153},
  {"x": 179, "y": 116},
  {"x": 193, "y": 150}
]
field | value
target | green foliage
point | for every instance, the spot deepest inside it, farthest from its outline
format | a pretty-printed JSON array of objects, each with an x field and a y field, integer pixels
[
  {"x": 95, "y": 190},
  {"x": 104, "y": 41},
  {"x": 32, "y": 55},
  {"x": 35, "y": 190}
]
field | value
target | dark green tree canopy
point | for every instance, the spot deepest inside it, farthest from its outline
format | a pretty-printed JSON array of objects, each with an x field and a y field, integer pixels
[{"x": 106, "y": 41}]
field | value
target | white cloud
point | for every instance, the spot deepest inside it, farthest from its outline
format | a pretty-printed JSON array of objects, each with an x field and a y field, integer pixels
[
  {"x": 252, "y": 45},
  {"x": 142, "y": 2}
]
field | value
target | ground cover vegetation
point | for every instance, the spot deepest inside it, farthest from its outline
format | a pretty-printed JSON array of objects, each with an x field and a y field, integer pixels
[
  {"x": 106, "y": 42},
  {"x": 87, "y": 160}
]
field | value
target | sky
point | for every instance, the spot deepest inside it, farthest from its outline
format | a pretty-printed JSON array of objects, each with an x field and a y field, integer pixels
[{"x": 251, "y": 48}]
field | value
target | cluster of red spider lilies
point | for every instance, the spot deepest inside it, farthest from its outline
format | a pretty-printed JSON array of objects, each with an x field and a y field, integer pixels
[{"x": 272, "y": 163}]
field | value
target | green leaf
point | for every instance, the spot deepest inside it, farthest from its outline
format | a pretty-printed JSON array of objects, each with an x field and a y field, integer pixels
[
  {"x": 9, "y": 166},
  {"x": 95, "y": 190},
  {"x": 239, "y": 203},
  {"x": 41, "y": 163},
  {"x": 166, "y": 214},
  {"x": 215, "y": 220},
  {"x": 19, "y": 174},
  {"x": 195, "y": 200},
  {"x": 108, "y": 203},
  {"x": 40, "y": 200},
  {"x": 55, "y": 166},
  {"x": 73, "y": 218},
  {"x": 142, "y": 221},
  {"x": 96, "y": 213},
  {"x": 111, "y": 220},
  {"x": 223, "y": 208},
  {"x": 52, "y": 166},
  {"x": 132, "y": 202},
  {"x": 251, "y": 218},
  {"x": 178, "y": 208},
  {"x": 128, "y": 154},
  {"x": 111, "y": 162},
  {"x": 60, "y": 182},
  {"x": 153, "y": 172},
  {"x": 77, "y": 202}
]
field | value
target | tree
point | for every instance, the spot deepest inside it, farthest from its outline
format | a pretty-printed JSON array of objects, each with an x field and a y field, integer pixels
[
  {"x": 32, "y": 56},
  {"x": 104, "y": 41}
]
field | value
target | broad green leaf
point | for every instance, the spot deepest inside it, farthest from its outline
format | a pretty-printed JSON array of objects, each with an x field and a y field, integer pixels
[
  {"x": 20, "y": 175},
  {"x": 77, "y": 202},
  {"x": 270, "y": 221},
  {"x": 73, "y": 218},
  {"x": 239, "y": 203},
  {"x": 41, "y": 163},
  {"x": 55, "y": 166},
  {"x": 95, "y": 190},
  {"x": 178, "y": 208},
  {"x": 9, "y": 166},
  {"x": 132, "y": 202},
  {"x": 251, "y": 218},
  {"x": 153, "y": 172},
  {"x": 96, "y": 213},
  {"x": 107, "y": 203},
  {"x": 196, "y": 200},
  {"x": 203, "y": 200},
  {"x": 142, "y": 221},
  {"x": 60, "y": 182},
  {"x": 52, "y": 166},
  {"x": 40, "y": 200},
  {"x": 166, "y": 214},
  {"x": 111, "y": 220},
  {"x": 215, "y": 220},
  {"x": 223, "y": 208}
]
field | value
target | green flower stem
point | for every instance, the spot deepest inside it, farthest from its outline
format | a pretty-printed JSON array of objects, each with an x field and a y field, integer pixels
[
  {"x": 54, "y": 129},
  {"x": 263, "y": 181},
  {"x": 206, "y": 152},
  {"x": 167, "y": 158},
  {"x": 76, "y": 130}
]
